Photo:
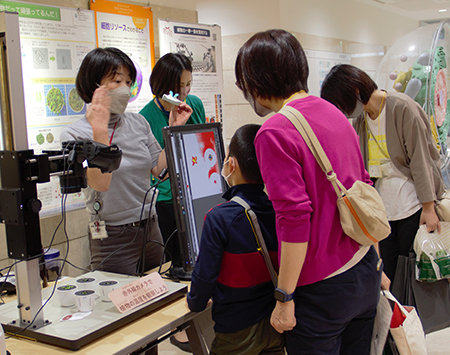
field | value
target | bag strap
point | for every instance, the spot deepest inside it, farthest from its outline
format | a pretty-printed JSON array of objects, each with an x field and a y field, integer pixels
[
  {"x": 314, "y": 145},
  {"x": 392, "y": 298},
  {"x": 258, "y": 236}
]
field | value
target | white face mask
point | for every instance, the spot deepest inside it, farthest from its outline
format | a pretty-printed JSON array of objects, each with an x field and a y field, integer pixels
[
  {"x": 259, "y": 109},
  {"x": 223, "y": 174},
  {"x": 359, "y": 109},
  {"x": 119, "y": 99}
]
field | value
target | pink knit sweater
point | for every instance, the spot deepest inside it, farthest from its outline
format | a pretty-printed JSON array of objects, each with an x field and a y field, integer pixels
[{"x": 304, "y": 200}]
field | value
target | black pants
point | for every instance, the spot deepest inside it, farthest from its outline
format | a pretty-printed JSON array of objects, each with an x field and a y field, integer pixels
[
  {"x": 167, "y": 225},
  {"x": 399, "y": 242},
  {"x": 335, "y": 316}
]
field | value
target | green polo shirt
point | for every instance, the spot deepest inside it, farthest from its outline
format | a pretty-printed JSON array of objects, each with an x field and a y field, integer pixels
[{"x": 157, "y": 120}]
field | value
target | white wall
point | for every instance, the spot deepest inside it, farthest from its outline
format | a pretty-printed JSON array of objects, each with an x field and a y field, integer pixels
[{"x": 346, "y": 19}]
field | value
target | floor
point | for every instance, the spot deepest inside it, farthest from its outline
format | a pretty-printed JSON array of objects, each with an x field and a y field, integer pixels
[
  {"x": 165, "y": 348},
  {"x": 438, "y": 343}
]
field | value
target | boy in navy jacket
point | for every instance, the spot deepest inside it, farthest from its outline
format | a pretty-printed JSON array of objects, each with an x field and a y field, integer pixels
[{"x": 229, "y": 268}]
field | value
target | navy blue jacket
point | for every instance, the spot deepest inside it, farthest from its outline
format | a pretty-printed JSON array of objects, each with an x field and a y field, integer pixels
[{"x": 229, "y": 268}]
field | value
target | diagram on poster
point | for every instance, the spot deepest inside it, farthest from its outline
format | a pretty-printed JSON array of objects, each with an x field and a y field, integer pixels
[
  {"x": 202, "y": 165},
  {"x": 54, "y": 41},
  {"x": 202, "y": 44}
]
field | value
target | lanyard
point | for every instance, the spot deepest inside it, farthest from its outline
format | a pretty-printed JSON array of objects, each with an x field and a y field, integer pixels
[
  {"x": 290, "y": 97},
  {"x": 167, "y": 113},
  {"x": 112, "y": 135},
  {"x": 369, "y": 131}
]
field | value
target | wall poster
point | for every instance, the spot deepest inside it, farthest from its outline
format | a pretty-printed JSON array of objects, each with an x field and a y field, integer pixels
[
  {"x": 202, "y": 44},
  {"x": 129, "y": 28},
  {"x": 54, "y": 41},
  {"x": 320, "y": 63}
]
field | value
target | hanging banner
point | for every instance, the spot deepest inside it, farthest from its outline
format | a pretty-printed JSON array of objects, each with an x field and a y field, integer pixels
[
  {"x": 202, "y": 44},
  {"x": 54, "y": 41},
  {"x": 129, "y": 28}
]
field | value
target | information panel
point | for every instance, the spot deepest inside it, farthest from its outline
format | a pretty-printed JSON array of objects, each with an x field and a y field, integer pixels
[
  {"x": 54, "y": 41},
  {"x": 129, "y": 28},
  {"x": 202, "y": 44}
]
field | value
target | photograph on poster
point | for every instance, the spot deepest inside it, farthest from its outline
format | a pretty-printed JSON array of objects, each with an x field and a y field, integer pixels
[{"x": 203, "y": 57}]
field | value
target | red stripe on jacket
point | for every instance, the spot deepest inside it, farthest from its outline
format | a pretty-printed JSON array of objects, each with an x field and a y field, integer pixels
[{"x": 245, "y": 270}]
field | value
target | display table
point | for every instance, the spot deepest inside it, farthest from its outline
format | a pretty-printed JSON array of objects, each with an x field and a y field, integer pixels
[{"x": 153, "y": 327}]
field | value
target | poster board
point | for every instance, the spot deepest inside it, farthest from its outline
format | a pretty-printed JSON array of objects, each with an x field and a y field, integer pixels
[
  {"x": 54, "y": 41},
  {"x": 203, "y": 45},
  {"x": 320, "y": 63},
  {"x": 129, "y": 28}
]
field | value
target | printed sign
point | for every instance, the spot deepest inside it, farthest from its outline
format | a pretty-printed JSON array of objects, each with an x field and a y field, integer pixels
[
  {"x": 129, "y": 28},
  {"x": 138, "y": 292},
  {"x": 202, "y": 44}
]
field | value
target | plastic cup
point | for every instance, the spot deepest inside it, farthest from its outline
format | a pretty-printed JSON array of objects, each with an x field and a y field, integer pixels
[
  {"x": 85, "y": 300},
  {"x": 105, "y": 287},
  {"x": 86, "y": 283},
  {"x": 66, "y": 295}
]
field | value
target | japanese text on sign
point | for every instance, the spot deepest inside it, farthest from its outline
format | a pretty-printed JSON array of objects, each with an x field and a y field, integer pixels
[
  {"x": 31, "y": 10},
  {"x": 191, "y": 31},
  {"x": 116, "y": 27},
  {"x": 138, "y": 292}
]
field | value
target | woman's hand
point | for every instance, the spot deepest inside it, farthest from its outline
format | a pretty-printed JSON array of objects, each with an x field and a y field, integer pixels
[
  {"x": 430, "y": 218},
  {"x": 180, "y": 114},
  {"x": 283, "y": 317},
  {"x": 98, "y": 115},
  {"x": 385, "y": 282}
]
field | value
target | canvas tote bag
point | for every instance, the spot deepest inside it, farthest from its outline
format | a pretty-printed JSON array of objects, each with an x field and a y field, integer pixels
[
  {"x": 381, "y": 326},
  {"x": 406, "y": 329},
  {"x": 362, "y": 213}
]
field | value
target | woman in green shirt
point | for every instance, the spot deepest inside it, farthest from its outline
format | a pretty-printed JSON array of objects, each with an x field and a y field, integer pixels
[{"x": 172, "y": 72}]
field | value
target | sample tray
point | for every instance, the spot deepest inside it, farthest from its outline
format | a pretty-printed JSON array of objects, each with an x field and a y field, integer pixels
[{"x": 105, "y": 318}]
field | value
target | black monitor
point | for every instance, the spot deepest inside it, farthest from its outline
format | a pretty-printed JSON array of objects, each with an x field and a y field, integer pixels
[{"x": 195, "y": 155}]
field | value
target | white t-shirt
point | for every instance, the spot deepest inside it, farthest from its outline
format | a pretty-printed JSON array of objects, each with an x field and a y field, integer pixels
[{"x": 396, "y": 190}]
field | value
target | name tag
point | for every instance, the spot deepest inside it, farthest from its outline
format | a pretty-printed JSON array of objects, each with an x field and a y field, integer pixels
[{"x": 375, "y": 169}]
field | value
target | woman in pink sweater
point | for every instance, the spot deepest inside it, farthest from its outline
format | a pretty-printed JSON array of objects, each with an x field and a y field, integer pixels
[{"x": 328, "y": 285}]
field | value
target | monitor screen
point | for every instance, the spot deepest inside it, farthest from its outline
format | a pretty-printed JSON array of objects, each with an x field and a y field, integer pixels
[{"x": 195, "y": 155}]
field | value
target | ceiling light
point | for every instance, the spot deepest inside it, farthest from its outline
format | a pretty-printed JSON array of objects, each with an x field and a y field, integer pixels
[
  {"x": 411, "y": 48},
  {"x": 442, "y": 10}
]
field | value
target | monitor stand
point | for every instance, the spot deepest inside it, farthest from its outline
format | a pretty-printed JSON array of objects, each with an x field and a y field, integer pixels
[{"x": 177, "y": 272}]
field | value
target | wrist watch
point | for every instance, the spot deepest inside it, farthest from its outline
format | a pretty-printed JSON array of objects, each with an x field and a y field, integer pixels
[{"x": 282, "y": 296}]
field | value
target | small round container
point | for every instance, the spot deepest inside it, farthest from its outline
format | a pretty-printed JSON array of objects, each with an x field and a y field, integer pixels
[
  {"x": 52, "y": 264},
  {"x": 85, "y": 300},
  {"x": 86, "y": 283},
  {"x": 105, "y": 287},
  {"x": 66, "y": 295}
]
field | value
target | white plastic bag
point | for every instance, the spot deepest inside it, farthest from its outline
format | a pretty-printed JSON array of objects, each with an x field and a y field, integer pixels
[{"x": 433, "y": 253}]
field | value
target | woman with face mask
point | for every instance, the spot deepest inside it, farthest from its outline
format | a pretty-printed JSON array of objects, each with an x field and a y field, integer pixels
[
  {"x": 399, "y": 153},
  {"x": 104, "y": 81},
  {"x": 328, "y": 287}
]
